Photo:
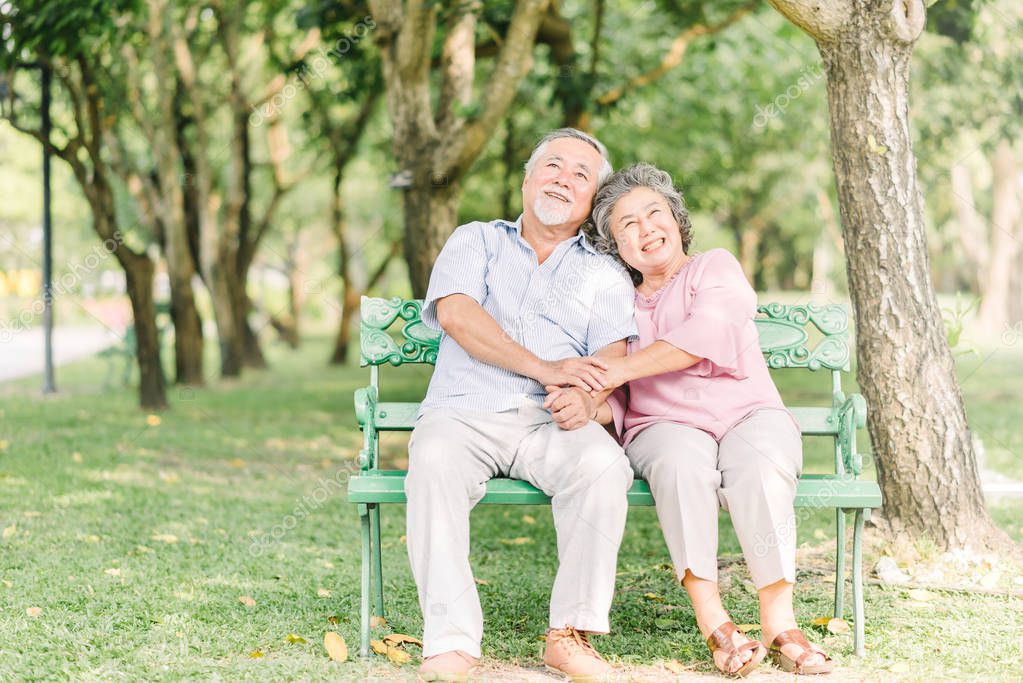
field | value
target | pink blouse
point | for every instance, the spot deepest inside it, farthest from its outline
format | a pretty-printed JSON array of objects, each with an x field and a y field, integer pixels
[{"x": 706, "y": 309}]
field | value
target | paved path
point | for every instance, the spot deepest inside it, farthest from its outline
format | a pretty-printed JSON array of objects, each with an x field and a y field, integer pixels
[{"x": 21, "y": 353}]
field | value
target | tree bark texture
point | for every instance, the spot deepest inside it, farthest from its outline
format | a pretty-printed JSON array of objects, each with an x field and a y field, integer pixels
[
  {"x": 917, "y": 422},
  {"x": 435, "y": 144}
]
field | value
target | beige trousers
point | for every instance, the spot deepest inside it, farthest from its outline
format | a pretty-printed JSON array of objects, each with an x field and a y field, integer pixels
[
  {"x": 751, "y": 473},
  {"x": 452, "y": 454}
]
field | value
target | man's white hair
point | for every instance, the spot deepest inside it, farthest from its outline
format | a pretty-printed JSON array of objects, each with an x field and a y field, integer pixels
[{"x": 605, "y": 167}]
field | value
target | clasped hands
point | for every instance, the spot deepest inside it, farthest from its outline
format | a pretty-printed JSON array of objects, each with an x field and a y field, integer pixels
[{"x": 573, "y": 385}]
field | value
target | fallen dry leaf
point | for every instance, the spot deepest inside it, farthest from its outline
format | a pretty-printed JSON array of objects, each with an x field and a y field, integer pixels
[
  {"x": 10, "y": 530},
  {"x": 521, "y": 540},
  {"x": 153, "y": 420},
  {"x": 76, "y": 456},
  {"x": 337, "y": 648},
  {"x": 377, "y": 621},
  {"x": 482, "y": 582},
  {"x": 528, "y": 519},
  {"x": 323, "y": 592},
  {"x": 675, "y": 666},
  {"x": 399, "y": 638},
  {"x": 333, "y": 620},
  {"x": 34, "y": 611},
  {"x": 295, "y": 639},
  {"x": 920, "y": 594},
  {"x": 4, "y": 443},
  {"x": 113, "y": 571},
  {"x": 379, "y": 646},
  {"x": 746, "y": 628},
  {"x": 165, "y": 538},
  {"x": 837, "y": 625},
  {"x": 236, "y": 462},
  {"x": 169, "y": 477},
  {"x": 247, "y": 601},
  {"x": 398, "y": 656}
]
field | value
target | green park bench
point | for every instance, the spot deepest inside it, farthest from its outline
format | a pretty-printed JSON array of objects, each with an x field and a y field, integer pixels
[{"x": 804, "y": 337}]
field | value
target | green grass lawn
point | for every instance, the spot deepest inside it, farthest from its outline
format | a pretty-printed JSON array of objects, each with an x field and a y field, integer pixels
[{"x": 129, "y": 541}]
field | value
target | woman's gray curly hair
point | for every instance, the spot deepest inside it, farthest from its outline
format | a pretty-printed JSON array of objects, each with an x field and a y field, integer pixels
[{"x": 619, "y": 185}]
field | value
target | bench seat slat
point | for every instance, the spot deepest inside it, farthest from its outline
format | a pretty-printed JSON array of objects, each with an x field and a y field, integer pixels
[
  {"x": 816, "y": 491},
  {"x": 401, "y": 417}
]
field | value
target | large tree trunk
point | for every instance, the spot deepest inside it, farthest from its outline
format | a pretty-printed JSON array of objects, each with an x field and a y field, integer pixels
[
  {"x": 431, "y": 214},
  {"x": 139, "y": 271},
  {"x": 1005, "y": 213},
  {"x": 917, "y": 422},
  {"x": 349, "y": 312},
  {"x": 1015, "y": 296},
  {"x": 188, "y": 340}
]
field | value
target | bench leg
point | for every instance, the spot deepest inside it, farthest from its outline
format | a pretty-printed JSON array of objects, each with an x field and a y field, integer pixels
[
  {"x": 376, "y": 550},
  {"x": 857, "y": 584},
  {"x": 839, "y": 562},
  {"x": 364, "y": 613}
]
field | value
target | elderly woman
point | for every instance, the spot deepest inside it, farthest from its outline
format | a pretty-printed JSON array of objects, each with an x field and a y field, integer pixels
[{"x": 701, "y": 419}]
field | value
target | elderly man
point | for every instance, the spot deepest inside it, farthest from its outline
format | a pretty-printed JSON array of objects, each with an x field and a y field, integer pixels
[{"x": 526, "y": 307}]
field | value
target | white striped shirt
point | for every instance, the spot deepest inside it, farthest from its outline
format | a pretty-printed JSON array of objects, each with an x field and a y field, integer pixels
[{"x": 573, "y": 304}]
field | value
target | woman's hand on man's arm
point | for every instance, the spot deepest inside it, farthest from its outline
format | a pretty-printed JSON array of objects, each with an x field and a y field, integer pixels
[{"x": 656, "y": 359}]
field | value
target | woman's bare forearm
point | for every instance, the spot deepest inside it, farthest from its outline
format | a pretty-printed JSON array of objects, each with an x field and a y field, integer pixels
[{"x": 656, "y": 359}]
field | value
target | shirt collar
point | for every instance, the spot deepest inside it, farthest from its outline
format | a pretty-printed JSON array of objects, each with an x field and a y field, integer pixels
[{"x": 579, "y": 239}]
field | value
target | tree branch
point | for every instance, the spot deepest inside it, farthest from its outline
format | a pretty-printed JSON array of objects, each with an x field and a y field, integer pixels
[
  {"x": 513, "y": 63},
  {"x": 458, "y": 64},
  {"x": 404, "y": 35},
  {"x": 673, "y": 57},
  {"x": 823, "y": 21},
  {"x": 381, "y": 270}
]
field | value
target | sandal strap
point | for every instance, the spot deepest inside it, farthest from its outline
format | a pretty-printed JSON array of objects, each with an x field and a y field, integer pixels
[
  {"x": 721, "y": 638},
  {"x": 795, "y": 637}
]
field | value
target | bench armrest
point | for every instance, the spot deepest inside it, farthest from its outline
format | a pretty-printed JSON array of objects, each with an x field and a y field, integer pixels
[
  {"x": 850, "y": 414},
  {"x": 365, "y": 412}
]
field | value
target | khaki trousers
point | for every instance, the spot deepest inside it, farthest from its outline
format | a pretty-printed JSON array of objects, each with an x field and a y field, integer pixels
[
  {"x": 751, "y": 473},
  {"x": 452, "y": 454}
]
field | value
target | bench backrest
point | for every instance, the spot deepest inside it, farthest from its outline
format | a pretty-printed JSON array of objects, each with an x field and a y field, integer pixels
[
  {"x": 798, "y": 336},
  {"x": 785, "y": 335}
]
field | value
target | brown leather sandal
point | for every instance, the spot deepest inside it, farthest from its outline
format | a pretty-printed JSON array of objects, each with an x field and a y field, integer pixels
[
  {"x": 795, "y": 637},
  {"x": 721, "y": 639}
]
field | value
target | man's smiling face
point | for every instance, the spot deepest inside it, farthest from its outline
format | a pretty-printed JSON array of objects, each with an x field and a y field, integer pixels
[{"x": 559, "y": 188}]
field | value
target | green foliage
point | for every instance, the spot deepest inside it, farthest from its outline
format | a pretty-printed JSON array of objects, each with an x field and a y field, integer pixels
[
  {"x": 952, "y": 18},
  {"x": 954, "y": 318},
  {"x": 59, "y": 28}
]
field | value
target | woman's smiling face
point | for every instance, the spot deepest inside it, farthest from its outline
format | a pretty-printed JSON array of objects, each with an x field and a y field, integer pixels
[{"x": 645, "y": 231}]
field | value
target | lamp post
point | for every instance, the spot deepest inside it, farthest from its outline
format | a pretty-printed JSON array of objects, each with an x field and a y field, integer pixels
[{"x": 49, "y": 385}]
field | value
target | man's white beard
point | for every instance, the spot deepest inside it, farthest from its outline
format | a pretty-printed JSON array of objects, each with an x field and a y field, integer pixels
[{"x": 551, "y": 211}]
